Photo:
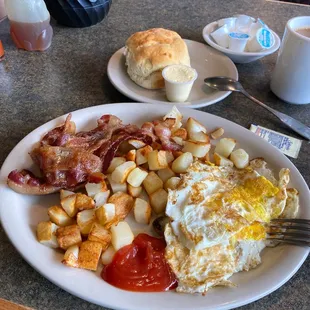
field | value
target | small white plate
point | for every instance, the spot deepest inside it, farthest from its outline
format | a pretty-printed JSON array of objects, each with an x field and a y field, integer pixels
[
  {"x": 207, "y": 62},
  {"x": 20, "y": 215}
]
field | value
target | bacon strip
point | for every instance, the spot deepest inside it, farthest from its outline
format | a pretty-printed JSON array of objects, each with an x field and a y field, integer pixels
[
  {"x": 66, "y": 159},
  {"x": 24, "y": 182}
]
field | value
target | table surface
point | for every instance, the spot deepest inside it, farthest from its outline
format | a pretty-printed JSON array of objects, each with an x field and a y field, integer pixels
[{"x": 37, "y": 87}]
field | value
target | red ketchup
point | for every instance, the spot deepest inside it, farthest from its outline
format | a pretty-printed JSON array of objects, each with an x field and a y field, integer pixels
[{"x": 141, "y": 267}]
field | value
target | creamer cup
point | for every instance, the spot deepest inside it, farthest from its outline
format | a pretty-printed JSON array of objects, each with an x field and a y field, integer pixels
[
  {"x": 178, "y": 91},
  {"x": 263, "y": 39},
  {"x": 238, "y": 41},
  {"x": 230, "y": 22},
  {"x": 220, "y": 36},
  {"x": 243, "y": 23}
]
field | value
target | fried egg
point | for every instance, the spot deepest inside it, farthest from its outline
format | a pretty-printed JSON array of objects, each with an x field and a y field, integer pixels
[{"x": 218, "y": 221}]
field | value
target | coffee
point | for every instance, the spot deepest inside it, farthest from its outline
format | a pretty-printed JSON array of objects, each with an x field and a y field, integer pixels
[{"x": 304, "y": 31}]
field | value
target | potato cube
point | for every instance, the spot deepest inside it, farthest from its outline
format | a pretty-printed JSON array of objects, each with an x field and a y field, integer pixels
[
  {"x": 175, "y": 113},
  {"x": 240, "y": 158},
  {"x": 120, "y": 174},
  {"x": 85, "y": 220},
  {"x": 225, "y": 146},
  {"x": 100, "y": 234},
  {"x": 198, "y": 149},
  {"x": 169, "y": 157},
  {"x": 71, "y": 257},
  {"x": 165, "y": 174},
  {"x": 152, "y": 182},
  {"x": 59, "y": 216},
  {"x": 83, "y": 202},
  {"x": 116, "y": 161},
  {"x": 222, "y": 161},
  {"x": 143, "y": 195},
  {"x": 68, "y": 236},
  {"x": 172, "y": 183},
  {"x": 181, "y": 133},
  {"x": 142, "y": 211},
  {"x": 64, "y": 193},
  {"x": 137, "y": 144},
  {"x": 131, "y": 155},
  {"x": 94, "y": 188},
  {"x": 123, "y": 204},
  {"x": 125, "y": 147},
  {"x": 178, "y": 140},
  {"x": 89, "y": 255},
  {"x": 68, "y": 204},
  {"x": 176, "y": 154},
  {"x": 217, "y": 133},
  {"x": 181, "y": 164},
  {"x": 142, "y": 154},
  {"x": 134, "y": 191},
  {"x": 193, "y": 125},
  {"x": 158, "y": 201},
  {"x": 101, "y": 198},
  {"x": 46, "y": 234},
  {"x": 200, "y": 137},
  {"x": 107, "y": 255},
  {"x": 121, "y": 235},
  {"x": 117, "y": 187},
  {"x": 156, "y": 146},
  {"x": 96, "y": 177},
  {"x": 136, "y": 177},
  {"x": 157, "y": 160},
  {"x": 106, "y": 213}
]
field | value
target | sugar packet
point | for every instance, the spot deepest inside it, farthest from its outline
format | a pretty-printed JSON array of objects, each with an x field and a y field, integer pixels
[{"x": 286, "y": 144}]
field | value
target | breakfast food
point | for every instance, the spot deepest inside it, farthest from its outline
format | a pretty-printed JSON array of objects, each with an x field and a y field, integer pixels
[
  {"x": 149, "y": 52},
  {"x": 212, "y": 218}
]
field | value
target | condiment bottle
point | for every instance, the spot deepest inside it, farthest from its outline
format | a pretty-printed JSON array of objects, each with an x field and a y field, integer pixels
[{"x": 30, "y": 24}]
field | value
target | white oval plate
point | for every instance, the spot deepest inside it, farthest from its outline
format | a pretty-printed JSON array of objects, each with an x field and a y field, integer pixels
[
  {"x": 207, "y": 62},
  {"x": 20, "y": 214}
]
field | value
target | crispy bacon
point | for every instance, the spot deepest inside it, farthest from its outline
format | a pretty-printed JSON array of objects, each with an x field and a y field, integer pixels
[
  {"x": 65, "y": 167},
  {"x": 60, "y": 135},
  {"x": 66, "y": 159},
  {"x": 24, "y": 182},
  {"x": 162, "y": 130}
]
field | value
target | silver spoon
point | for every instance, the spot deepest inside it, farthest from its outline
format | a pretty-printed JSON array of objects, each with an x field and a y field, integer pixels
[{"x": 223, "y": 83}]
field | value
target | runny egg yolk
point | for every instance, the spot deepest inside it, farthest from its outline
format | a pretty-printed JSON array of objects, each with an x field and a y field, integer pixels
[
  {"x": 255, "y": 231},
  {"x": 252, "y": 196}
]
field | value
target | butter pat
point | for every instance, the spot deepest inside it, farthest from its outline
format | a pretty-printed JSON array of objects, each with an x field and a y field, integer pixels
[
  {"x": 286, "y": 144},
  {"x": 179, "y": 80}
]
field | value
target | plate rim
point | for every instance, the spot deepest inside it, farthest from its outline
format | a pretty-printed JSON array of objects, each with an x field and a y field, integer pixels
[
  {"x": 142, "y": 99},
  {"x": 88, "y": 298}
]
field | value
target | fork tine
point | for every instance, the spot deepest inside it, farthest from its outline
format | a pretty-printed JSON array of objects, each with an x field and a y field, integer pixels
[
  {"x": 290, "y": 227},
  {"x": 299, "y": 221},
  {"x": 291, "y": 241},
  {"x": 290, "y": 234}
]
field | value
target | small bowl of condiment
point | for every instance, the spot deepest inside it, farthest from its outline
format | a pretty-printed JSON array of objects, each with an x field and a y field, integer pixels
[
  {"x": 179, "y": 80},
  {"x": 242, "y": 38}
]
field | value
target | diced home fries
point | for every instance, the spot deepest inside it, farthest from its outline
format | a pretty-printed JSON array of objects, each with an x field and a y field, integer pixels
[{"x": 92, "y": 227}]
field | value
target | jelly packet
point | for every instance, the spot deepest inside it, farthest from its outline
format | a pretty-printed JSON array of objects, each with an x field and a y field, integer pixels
[{"x": 286, "y": 144}]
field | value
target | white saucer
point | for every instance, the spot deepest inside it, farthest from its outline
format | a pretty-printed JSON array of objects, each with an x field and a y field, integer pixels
[{"x": 206, "y": 60}]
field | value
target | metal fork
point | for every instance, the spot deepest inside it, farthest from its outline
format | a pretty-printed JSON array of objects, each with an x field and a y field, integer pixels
[{"x": 291, "y": 231}]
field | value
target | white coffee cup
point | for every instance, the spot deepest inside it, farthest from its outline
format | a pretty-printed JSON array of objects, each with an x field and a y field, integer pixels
[{"x": 291, "y": 77}]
